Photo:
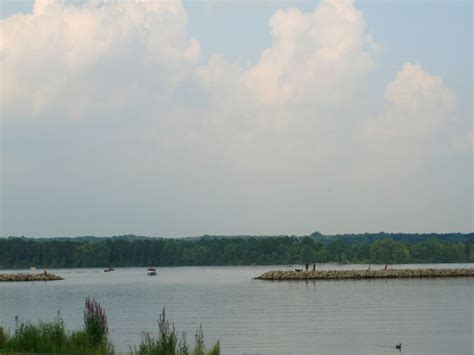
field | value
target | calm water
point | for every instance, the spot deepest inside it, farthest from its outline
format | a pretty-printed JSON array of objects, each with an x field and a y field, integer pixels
[{"x": 429, "y": 316}]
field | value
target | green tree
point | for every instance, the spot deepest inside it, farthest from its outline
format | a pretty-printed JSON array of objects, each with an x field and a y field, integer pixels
[{"x": 389, "y": 251}]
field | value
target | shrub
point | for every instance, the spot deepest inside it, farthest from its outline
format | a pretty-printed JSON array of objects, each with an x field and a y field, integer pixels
[
  {"x": 80, "y": 343},
  {"x": 168, "y": 342},
  {"x": 51, "y": 337},
  {"x": 46, "y": 337},
  {"x": 3, "y": 337},
  {"x": 95, "y": 322}
]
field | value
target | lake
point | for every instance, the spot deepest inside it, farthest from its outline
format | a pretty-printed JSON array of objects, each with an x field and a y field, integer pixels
[{"x": 429, "y": 316}]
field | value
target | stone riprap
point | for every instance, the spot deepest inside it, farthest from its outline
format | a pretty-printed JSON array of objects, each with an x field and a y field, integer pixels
[
  {"x": 364, "y": 274},
  {"x": 29, "y": 277}
]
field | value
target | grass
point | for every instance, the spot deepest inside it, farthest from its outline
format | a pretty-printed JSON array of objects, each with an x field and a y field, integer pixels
[
  {"x": 49, "y": 337},
  {"x": 52, "y": 337},
  {"x": 168, "y": 342}
]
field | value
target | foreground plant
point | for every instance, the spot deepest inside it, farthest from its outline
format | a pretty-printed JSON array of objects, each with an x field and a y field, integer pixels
[
  {"x": 95, "y": 322},
  {"x": 3, "y": 337},
  {"x": 52, "y": 337},
  {"x": 169, "y": 343}
]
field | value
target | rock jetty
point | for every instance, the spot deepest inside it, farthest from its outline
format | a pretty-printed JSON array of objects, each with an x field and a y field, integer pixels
[
  {"x": 364, "y": 274},
  {"x": 29, "y": 277}
]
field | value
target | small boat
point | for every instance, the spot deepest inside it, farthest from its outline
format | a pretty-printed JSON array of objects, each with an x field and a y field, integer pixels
[
  {"x": 151, "y": 271},
  {"x": 109, "y": 269}
]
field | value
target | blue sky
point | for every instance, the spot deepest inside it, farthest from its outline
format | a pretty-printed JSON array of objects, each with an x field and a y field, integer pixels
[{"x": 385, "y": 143}]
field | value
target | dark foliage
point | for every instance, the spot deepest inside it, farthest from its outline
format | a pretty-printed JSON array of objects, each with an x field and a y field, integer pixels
[
  {"x": 168, "y": 341},
  {"x": 207, "y": 250},
  {"x": 52, "y": 337},
  {"x": 95, "y": 322}
]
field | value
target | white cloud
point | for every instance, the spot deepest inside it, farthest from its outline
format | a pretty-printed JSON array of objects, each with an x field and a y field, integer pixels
[
  {"x": 417, "y": 105},
  {"x": 301, "y": 93},
  {"x": 316, "y": 63},
  {"x": 298, "y": 88},
  {"x": 316, "y": 57},
  {"x": 275, "y": 141},
  {"x": 67, "y": 58}
]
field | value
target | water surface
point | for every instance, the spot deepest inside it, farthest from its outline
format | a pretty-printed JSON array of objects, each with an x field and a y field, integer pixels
[{"x": 429, "y": 316}]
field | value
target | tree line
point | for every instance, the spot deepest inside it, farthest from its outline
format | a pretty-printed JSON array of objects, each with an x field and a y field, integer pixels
[{"x": 128, "y": 251}]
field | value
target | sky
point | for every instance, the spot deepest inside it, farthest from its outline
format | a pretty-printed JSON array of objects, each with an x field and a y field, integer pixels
[{"x": 235, "y": 117}]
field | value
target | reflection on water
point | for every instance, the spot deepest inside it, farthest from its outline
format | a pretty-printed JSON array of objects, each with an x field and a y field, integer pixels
[{"x": 429, "y": 316}]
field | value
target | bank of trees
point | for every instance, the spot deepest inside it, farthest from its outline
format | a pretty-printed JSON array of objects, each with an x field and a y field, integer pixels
[{"x": 134, "y": 251}]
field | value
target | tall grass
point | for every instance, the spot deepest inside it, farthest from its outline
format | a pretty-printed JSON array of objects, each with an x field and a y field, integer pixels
[
  {"x": 52, "y": 337},
  {"x": 95, "y": 322},
  {"x": 49, "y": 337},
  {"x": 169, "y": 343}
]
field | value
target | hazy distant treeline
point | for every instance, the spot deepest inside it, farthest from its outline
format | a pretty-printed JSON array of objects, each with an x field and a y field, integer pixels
[{"x": 244, "y": 250}]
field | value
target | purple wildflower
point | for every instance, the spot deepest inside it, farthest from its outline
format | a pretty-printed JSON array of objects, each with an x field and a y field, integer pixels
[{"x": 95, "y": 320}]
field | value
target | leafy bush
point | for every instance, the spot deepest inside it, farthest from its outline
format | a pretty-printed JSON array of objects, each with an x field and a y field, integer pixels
[
  {"x": 3, "y": 337},
  {"x": 200, "y": 348},
  {"x": 52, "y": 337},
  {"x": 95, "y": 322},
  {"x": 169, "y": 343},
  {"x": 80, "y": 341},
  {"x": 44, "y": 337}
]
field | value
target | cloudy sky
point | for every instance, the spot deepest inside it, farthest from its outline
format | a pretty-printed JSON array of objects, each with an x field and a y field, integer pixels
[{"x": 240, "y": 117}]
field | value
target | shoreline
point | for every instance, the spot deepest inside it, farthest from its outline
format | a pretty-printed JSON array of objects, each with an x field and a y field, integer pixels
[
  {"x": 22, "y": 277},
  {"x": 322, "y": 264},
  {"x": 280, "y": 275}
]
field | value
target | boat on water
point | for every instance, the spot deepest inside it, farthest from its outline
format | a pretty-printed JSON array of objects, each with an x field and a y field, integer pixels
[
  {"x": 151, "y": 271},
  {"x": 109, "y": 269}
]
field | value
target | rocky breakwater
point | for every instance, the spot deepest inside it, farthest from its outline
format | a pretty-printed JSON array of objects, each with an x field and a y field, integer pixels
[
  {"x": 364, "y": 274},
  {"x": 29, "y": 277}
]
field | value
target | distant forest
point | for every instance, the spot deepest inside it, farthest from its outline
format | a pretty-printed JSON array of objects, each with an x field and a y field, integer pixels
[{"x": 130, "y": 250}]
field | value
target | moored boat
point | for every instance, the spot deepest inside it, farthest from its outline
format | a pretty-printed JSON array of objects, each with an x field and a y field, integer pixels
[{"x": 151, "y": 271}]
